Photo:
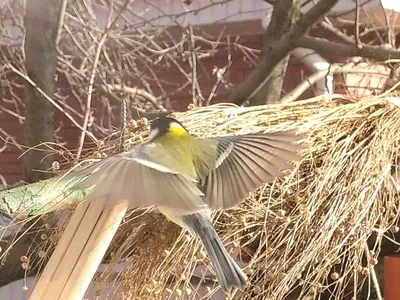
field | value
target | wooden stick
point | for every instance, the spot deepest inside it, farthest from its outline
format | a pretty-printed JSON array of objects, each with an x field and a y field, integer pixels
[
  {"x": 75, "y": 248},
  {"x": 93, "y": 253},
  {"x": 79, "y": 252},
  {"x": 41, "y": 287}
]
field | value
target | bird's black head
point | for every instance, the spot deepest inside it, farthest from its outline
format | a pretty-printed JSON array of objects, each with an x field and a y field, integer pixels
[{"x": 166, "y": 125}]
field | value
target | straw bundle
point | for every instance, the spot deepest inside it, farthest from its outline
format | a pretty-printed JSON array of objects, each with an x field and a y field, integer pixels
[{"x": 309, "y": 232}]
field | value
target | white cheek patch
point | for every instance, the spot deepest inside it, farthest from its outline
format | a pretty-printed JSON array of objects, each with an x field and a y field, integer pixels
[{"x": 153, "y": 134}]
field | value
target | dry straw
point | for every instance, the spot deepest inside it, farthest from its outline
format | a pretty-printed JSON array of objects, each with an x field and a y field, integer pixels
[{"x": 303, "y": 234}]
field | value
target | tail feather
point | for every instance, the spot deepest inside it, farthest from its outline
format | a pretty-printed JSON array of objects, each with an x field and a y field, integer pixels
[{"x": 228, "y": 272}]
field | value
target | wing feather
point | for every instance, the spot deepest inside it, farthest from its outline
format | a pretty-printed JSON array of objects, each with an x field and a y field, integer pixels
[
  {"x": 244, "y": 163},
  {"x": 139, "y": 179},
  {"x": 238, "y": 185},
  {"x": 262, "y": 152}
]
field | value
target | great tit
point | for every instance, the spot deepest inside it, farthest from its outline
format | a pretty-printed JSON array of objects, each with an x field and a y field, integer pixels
[{"x": 185, "y": 178}]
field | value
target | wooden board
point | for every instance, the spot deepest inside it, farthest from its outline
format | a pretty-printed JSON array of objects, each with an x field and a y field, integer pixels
[{"x": 79, "y": 252}]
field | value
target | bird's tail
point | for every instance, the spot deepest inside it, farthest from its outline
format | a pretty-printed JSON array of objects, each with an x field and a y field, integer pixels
[{"x": 228, "y": 272}]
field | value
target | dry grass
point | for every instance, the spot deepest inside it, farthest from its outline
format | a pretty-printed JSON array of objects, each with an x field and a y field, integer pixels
[{"x": 294, "y": 233}]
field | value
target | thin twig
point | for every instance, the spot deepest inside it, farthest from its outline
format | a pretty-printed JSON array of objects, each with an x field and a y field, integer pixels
[
  {"x": 390, "y": 29},
  {"x": 357, "y": 25},
  {"x": 193, "y": 66},
  {"x": 294, "y": 94},
  {"x": 134, "y": 91},
  {"x": 48, "y": 98},
  {"x": 61, "y": 17},
  {"x": 373, "y": 274},
  {"x": 344, "y": 37},
  {"x": 124, "y": 111},
  {"x": 103, "y": 39},
  {"x": 89, "y": 97}
]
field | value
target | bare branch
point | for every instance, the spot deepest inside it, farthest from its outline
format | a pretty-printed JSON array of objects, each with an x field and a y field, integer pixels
[
  {"x": 56, "y": 105},
  {"x": 344, "y": 37},
  {"x": 61, "y": 16},
  {"x": 357, "y": 25},
  {"x": 379, "y": 53},
  {"x": 287, "y": 43},
  {"x": 284, "y": 15},
  {"x": 373, "y": 273},
  {"x": 342, "y": 13},
  {"x": 134, "y": 91},
  {"x": 312, "y": 79},
  {"x": 89, "y": 97},
  {"x": 138, "y": 113},
  {"x": 390, "y": 26}
]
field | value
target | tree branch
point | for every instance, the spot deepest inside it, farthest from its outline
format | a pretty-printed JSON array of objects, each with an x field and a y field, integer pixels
[
  {"x": 344, "y": 37},
  {"x": 313, "y": 78},
  {"x": 357, "y": 25},
  {"x": 280, "y": 50},
  {"x": 133, "y": 91},
  {"x": 41, "y": 21},
  {"x": 107, "y": 90},
  {"x": 285, "y": 14},
  {"x": 89, "y": 95},
  {"x": 61, "y": 16},
  {"x": 379, "y": 53},
  {"x": 49, "y": 99}
]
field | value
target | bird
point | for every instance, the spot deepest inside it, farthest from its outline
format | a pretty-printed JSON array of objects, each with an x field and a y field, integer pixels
[{"x": 186, "y": 178}]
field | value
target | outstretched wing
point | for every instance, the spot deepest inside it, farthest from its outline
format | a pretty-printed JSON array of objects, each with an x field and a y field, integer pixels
[
  {"x": 244, "y": 163},
  {"x": 137, "y": 177}
]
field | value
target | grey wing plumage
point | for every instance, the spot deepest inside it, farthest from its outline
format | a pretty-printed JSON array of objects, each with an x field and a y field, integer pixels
[
  {"x": 244, "y": 163},
  {"x": 136, "y": 177}
]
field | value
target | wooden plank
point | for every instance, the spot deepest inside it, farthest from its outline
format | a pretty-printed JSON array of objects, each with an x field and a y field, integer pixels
[
  {"x": 51, "y": 267},
  {"x": 79, "y": 252},
  {"x": 392, "y": 277},
  {"x": 74, "y": 250},
  {"x": 93, "y": 253}
]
